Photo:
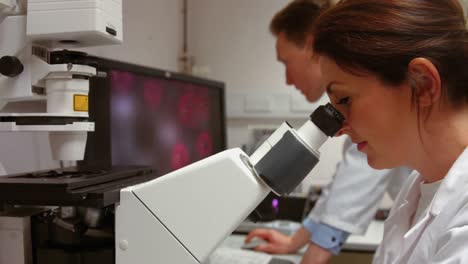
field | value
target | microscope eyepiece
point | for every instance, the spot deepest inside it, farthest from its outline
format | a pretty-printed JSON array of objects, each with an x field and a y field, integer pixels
[{"x": 328, "y": 119}]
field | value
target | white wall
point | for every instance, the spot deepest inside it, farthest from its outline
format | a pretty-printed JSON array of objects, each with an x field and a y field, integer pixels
[
  {"x": 152, "y": 37},
  {"x": 152, "y": 34},
  {"x": 230, "y": 39},
  {"x": 231, "y": 42}
]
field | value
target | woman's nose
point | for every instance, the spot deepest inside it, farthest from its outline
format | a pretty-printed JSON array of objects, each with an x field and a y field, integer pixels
[{"x": 345, "y": 129}]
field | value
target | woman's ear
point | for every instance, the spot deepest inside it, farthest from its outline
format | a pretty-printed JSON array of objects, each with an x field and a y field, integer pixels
[
  {"x": 309, "y": 46},
  {"x": 425, "y": 81},
  {"x": 309, "y": 43}
]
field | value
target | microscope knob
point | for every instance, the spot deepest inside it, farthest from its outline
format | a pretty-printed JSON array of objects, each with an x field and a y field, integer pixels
[{"x": 10, "y": 66}]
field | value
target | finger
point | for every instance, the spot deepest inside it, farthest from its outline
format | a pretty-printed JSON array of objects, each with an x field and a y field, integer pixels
[
  {"x": 269, "y": 248},
  {"x": 261, "y": 233}
]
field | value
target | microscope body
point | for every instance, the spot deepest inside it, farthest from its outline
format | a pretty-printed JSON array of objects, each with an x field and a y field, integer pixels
[
  {"x": 36, "y": 66},
  {"x": 182, "y": 216}
]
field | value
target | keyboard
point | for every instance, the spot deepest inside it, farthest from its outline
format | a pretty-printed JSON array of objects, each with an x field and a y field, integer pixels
[
  {"x": 284, "y": 226},
  {"x": 240, "y": 256}
]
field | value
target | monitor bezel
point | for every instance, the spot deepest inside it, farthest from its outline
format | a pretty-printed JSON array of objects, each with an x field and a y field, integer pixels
[{"x": 98, "y": 154}]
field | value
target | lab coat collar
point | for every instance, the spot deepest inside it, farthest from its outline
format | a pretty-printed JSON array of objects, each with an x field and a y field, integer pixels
[
  {"x": 399, "y": 239},
  {"x": 410, "y": 192},
  {"x": 399, "y": 220},
  {"x": 452, "y": 184}
]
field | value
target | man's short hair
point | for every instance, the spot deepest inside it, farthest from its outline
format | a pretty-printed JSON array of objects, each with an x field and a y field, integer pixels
[{"x": 296, "y": 20}]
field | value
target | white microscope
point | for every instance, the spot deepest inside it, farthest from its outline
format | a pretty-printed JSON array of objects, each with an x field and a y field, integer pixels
[
  {"x": 179, "y": 217},
  {"x": 34, "y": 67},
  {"x": 44, "y": 86}
]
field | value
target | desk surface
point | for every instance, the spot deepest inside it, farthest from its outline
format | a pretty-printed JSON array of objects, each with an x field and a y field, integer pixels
[
  {"x": 365, "y": 243},
  {"x": 236, "y": 241}
]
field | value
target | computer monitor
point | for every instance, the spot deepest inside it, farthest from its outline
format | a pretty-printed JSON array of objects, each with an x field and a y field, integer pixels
[{"x": 146, "y": 116}]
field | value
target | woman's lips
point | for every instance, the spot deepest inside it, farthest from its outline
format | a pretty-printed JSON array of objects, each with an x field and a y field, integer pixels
[{"x": 361, "y": 145}]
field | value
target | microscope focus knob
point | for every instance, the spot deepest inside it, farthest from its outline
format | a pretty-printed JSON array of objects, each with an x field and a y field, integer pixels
[{"x": 10, "y": 66}]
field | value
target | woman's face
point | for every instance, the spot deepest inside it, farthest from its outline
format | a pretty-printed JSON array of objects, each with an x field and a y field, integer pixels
[{"x": 379, "y": 117}]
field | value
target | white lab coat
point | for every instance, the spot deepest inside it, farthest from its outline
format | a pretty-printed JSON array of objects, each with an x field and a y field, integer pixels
[
  {"x": 441, "y": 233},
  {"x": 351, "y": 200}
]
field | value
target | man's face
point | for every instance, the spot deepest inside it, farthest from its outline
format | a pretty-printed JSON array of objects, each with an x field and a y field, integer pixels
[{"x": 302, "y": 70}]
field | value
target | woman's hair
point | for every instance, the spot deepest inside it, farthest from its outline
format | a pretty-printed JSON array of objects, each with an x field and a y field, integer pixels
[
  {"x": 382, "y": 37},
  {"x": 296, "y": 20}
]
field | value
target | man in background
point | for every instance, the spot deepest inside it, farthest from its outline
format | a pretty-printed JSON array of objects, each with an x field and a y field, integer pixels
[{"x": 350, "y": 202}]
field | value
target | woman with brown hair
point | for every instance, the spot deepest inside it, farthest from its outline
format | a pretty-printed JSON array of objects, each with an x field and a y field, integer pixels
[{"x": 398, "y": 71}]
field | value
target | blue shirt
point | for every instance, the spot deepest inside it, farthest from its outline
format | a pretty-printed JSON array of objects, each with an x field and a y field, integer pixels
[{"x": 325, "y": 236}]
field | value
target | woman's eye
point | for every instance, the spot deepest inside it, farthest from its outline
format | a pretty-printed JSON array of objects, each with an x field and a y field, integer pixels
[{"x": 343, "y": 100}]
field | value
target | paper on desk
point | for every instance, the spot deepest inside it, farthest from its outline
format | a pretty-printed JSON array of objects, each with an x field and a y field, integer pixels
[{"x": 237, "y": 256}]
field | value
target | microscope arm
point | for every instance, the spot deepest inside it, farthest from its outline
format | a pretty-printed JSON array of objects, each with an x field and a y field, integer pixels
[{"x": 182, "y": 216}]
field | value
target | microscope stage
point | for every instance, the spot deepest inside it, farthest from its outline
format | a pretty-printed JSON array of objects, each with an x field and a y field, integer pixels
[{"x": 70, "y": 187}]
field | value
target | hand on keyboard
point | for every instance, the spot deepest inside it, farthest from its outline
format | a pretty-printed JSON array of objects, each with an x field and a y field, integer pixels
[{"x": 255, "y": 242}]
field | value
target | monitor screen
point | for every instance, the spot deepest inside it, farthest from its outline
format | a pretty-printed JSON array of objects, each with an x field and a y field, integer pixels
[
  {"x": 163, "y": 122},
  {"x": 155, "y": 118}
]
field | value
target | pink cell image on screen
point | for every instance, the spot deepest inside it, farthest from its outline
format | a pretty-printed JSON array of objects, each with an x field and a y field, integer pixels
[
  {"x": 122, "y": 81},
  {"x": 204, "y": 145},
  {"x": 194, "y": 108},
  {"x": 185, "y": 108},
  {"x": 202, "y": 106},
  {"x": 180, "y": 156},
  {"x": 153, "y": 93}
]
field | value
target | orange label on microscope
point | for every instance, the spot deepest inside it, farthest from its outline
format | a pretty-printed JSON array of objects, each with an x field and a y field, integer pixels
[{"x": 80, "y": 103}]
